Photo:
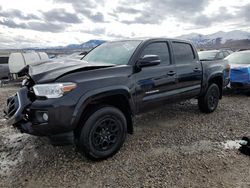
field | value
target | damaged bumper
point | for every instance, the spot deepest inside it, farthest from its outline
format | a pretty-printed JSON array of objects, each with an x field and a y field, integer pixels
[
  {"x": 39, "y": 117},
  {"x": 16, "y": 105}
]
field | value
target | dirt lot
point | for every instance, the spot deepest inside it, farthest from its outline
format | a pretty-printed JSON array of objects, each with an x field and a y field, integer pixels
[{"x": 175, "y": 146}]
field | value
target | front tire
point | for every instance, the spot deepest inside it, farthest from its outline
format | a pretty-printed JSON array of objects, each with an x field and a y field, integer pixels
[
  {"x": 103, "y": 133},
  {"x": 209, "y": 102}
]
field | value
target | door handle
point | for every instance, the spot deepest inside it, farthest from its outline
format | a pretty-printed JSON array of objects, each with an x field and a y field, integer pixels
[
  {"x": 197, "y": 69},
  {"x": 171, "y": 73}
]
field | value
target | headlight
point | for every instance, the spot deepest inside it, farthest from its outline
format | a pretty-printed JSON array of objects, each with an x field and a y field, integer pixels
[{"x": 54, "y": 90}]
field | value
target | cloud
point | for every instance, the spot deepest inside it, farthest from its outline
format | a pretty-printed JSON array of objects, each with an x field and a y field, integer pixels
[
  {"x": 112, "y": 19},
  {"x": 46, "y": 27},
  {"x": 113, "y": 35},
  {"x": 222, "y": 15},
  {"x": 86, "y": 8},
  {"x": 34, "y": 25},
  {"x": 96, "y": 31},
  {"x": 182, "y": 11},
  {"x": 60, "y": 15},
  {"x": 14, "y": 13},
  {"x": 17, "y": 41},
  {"x": 12, "y": 24},
  {"x": 98, "y": 17},
  {"x": 128, "y": 10},
  {"x": 156, "y": 11},
  {"x": 79, "y": 4},
  {"x": 245, "y": 12}
]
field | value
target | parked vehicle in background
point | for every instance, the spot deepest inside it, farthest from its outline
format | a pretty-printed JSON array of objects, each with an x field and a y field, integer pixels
[
  {"x": 19, "y": 60},
  {"x": 77, "y": 55},
  {"x": 240, "y": 70},
  {"x": 228, "y": 49},
  {"x": 213, "y": 55},
  {"x": 242, "y": 49},
  {"x": 4, "y": 68},
  {"x": 98, "y": 97}
]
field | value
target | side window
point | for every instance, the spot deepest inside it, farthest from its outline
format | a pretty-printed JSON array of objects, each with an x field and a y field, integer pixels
[
  {"x": 226, "y": 53},
  {"x": 220, "y": 55},
  {"x": 158, "y": 48},
  {"x": 183, "y": 52},
  {"x": 4, "y": 60}
]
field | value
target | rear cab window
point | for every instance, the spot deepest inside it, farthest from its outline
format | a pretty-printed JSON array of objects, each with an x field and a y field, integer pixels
[{"x": 183, "y": 52}]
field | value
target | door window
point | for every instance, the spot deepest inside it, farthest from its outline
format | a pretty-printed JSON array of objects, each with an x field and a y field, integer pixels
[
  {"x": 183, "y": 52},
  {"x": 158, "y": 48},
  {"x": 220, "y": 55},
  {"x": 226, "y": 53}
]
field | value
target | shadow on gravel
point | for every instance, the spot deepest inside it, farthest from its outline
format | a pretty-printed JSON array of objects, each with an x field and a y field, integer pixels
[{"x": 230, "y": 92}]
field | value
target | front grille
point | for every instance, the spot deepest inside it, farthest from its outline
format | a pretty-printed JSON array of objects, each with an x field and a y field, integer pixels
[{"x": 12, "y": 106}]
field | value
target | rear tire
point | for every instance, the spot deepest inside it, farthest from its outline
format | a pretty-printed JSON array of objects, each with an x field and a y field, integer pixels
[
  {"x": 103, "y": 134},
  {"x": 209, "y": 102}
]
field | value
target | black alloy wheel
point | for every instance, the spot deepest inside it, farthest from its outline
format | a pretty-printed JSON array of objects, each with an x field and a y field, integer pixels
[
  {"x": 103, "y": 133},
  {"x": 106, "y": 133},
  {"x": 210, "y": 100}
]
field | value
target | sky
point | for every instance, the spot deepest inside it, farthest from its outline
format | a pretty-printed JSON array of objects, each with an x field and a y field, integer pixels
[{"x": 26, "y": 23}]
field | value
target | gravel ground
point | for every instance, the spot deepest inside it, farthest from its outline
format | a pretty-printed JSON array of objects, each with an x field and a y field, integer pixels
[{"x": 174, "y": 146}]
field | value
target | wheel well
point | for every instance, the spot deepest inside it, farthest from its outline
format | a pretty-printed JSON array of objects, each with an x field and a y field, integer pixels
[
  {"x": 219, "y": 81},
  {"x": 119, "y": 101}
]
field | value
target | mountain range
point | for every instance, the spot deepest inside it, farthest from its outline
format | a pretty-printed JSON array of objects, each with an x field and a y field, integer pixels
[
  {"x": 87, "y": 45},
  {"x": 234, "y": 39}
]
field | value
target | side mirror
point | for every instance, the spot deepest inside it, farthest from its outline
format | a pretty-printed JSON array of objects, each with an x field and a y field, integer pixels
[{"x": 148, "y": 60}]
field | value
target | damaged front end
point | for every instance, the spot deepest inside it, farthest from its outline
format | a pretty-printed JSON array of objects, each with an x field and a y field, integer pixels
[
  {"x": 16, "y": 111},
  {"x": 46, "y": 103},
  {"x": 38, "y": 115}
]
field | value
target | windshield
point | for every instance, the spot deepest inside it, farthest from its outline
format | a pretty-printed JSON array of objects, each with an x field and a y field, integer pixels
[
  {"x": 117, "y": 53},
  {"x": 239, "y": 58},
  {"x": 207, "y": 55}
]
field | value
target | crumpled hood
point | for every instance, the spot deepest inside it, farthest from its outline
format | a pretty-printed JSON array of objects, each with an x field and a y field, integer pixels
[
  {"x": 50, "y": 70},
  {"x": 240, "y": 73}
]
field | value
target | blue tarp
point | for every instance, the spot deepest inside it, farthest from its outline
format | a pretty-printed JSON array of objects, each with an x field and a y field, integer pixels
[{"x": 240, "y": 75}]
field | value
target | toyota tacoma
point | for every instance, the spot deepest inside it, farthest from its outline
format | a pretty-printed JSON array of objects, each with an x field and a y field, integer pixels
[{"x": 97, "y": 97}]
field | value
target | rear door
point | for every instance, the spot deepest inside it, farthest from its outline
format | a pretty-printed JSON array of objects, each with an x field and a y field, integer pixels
[
  {"x": 154, "y": 84},
  {"x": 188, "y": 69}
]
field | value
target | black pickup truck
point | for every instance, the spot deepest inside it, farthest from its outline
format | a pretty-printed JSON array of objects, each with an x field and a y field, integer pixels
[{"x": 98, "y": 96}]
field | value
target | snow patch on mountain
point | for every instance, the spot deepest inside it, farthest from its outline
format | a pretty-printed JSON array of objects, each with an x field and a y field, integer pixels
[{"x": 216, "y": 38}]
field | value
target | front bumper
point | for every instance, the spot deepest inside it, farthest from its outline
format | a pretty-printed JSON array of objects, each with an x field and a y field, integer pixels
[
  {"x": 26, "y": 115},
  {"x": 16, "y": 105}
]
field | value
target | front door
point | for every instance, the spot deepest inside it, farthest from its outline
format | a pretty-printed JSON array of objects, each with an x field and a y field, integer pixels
[{"x": 154, "y": 84}]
